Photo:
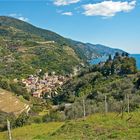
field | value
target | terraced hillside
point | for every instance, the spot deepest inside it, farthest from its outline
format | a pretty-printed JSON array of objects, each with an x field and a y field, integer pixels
[
  {"x": 11, "y": 104},
  {"x": 25, "y": 48},
  {"x": 95, "y": 127}
]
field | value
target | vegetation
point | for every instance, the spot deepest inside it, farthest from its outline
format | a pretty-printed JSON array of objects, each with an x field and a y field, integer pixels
[
  {"x": 34, "y": 131},
  {"x": 111, "y": 88},
  {"x": 19, "y": 61},
  {"x": 102, "y": 92},
  {"x": 3, "y": 120},
  {"x": 97, "y": 126},
  {"x": 92, "y": 91},
  {"x": 25, "y": 48}
]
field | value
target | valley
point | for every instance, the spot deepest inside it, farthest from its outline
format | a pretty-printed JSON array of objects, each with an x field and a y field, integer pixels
[{"x": 50, "y": 90}]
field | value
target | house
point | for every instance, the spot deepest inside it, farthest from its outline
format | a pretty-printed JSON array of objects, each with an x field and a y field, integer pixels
[
  {"x": 40, "y": 86},
  {"x": 37, "y": 94}
]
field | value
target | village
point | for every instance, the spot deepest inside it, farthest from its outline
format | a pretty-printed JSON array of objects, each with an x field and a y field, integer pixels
[{"x": 45, "y": 86}]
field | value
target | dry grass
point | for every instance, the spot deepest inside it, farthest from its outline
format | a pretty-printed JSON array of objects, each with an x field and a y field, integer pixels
[{"x": 10, "y": 103}]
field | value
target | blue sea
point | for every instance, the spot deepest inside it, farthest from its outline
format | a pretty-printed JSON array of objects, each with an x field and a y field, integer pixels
[
  {"x": 137, "y": 57},
  {"x": 104, "y": 58}
]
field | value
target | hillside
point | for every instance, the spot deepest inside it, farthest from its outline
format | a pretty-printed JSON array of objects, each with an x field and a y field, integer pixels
[
  {"x": 25, "y": 48},
  {"x": 102, "y": 49},
  {"x": 11, "y": 104},
  {"x": 84, "y": 50},
  {"x": 90, "y": 51},
  {"x": 97, "y": 126}
]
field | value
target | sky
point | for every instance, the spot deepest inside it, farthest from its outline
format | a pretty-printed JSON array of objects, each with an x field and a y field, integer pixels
[{"x": 114, "y": 23}]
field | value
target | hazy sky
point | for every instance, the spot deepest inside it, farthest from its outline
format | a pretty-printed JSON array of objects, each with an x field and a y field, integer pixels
[{"x": 115, "y": 23}]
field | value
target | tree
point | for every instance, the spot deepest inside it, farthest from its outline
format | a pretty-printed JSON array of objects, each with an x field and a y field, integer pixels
[
  {"x": 117, "y": 55},
  {"x": 126, "y": 54},
  {"x": 123, "y": 54},
  {"x": 19, "y": 89},
  {"x": 128, "y": 66},
  {"x": 84, "y": 91},
  {"x": 112, "y": 68},
  {"x": 110, "y": 58},
  {"x": 138, "y": 83},
  {"x": 4, "y": 84},
  {"x": 22, "y": 120}
]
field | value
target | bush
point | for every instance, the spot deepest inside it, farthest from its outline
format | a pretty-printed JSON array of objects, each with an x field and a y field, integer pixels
[
  {"x": 3, "y": 120},
  {"x": 19, "y": 89},
  {"x": 37, "y": 119},
  {"x": 54, "y": 116},
  {"x": 22, "y": 120}
]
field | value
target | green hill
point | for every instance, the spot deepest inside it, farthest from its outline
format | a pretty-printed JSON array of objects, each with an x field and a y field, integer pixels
[
  {"x": 95, "y": 127},
  {"x": 25, "y": 48},
  {"x": 29, "y": 29}
]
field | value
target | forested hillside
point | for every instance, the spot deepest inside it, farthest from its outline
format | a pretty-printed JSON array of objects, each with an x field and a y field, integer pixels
[
  {"x": 26, "y": 48},
  {"x": 113, "y": 83}
]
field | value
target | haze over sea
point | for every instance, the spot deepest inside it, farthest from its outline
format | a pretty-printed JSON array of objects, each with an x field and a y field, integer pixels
[{"x": 104, "y": 58}]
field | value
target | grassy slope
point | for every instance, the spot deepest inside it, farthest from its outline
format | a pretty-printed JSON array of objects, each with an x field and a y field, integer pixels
[
  {"x": 33, "y": 131},
  {"x": 95, "y": 127}
]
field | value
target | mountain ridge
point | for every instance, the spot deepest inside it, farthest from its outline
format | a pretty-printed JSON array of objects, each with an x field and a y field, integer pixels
[
  {"x": 25, "y": 48},
  {"x": 88, "y": 50}
]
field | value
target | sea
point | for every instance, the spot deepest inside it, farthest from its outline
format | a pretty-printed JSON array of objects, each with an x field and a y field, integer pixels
[{"x": 104, "y": 58}]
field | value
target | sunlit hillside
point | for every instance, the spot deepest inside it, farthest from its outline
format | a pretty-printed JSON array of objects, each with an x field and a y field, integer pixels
[{"x": 96, "y": 127}]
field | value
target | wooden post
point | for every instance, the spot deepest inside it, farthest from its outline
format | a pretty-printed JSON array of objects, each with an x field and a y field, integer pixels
[
  {"x": 106, "y": 107},
  {"x": 84, "y": 108},
  {"x": 128, "y": 103},
  {"x": 9, "y": 130},
  {"x": 122, "y": 109}
]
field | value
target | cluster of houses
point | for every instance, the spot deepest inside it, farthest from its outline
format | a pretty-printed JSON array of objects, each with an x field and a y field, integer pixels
[{"x": 43, "y": 87}]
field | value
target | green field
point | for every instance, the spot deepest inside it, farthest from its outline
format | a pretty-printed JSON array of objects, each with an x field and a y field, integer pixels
[
  {"x": 95, "y": 127},
  {"x": 33, "y": 131}
]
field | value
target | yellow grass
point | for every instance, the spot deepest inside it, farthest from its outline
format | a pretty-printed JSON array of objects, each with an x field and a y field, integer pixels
[{"x": 10, "y": 103}]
